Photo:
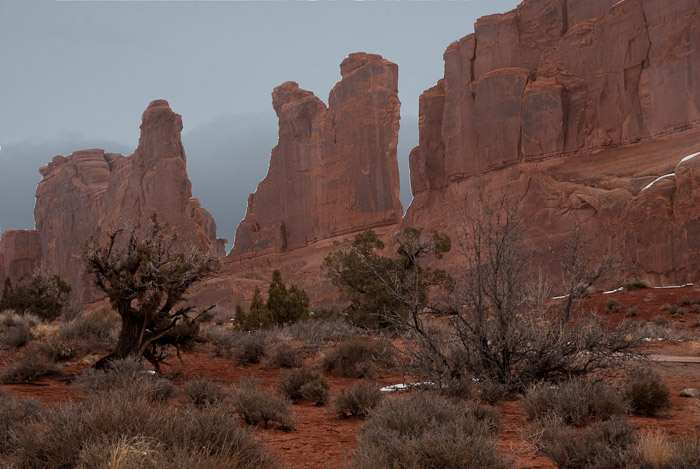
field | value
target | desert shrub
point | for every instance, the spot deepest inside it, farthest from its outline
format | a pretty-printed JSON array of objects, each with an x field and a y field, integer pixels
[
  {"x": 357, "y": 400},
  {"x": 71, "y": 434},
  {"x": 685, "y": 453},
  {"x": 257, "y": 406},
  {"x": 95, "y": 328},
  {"x": 14, "y": 413},
  {"x": 285, "y": 356},
  {"x": 204, "y": 393},
  {"x": 653, "y": 449},
  {"x": 219, "y": 316},
  {"x": 426, "y": 430},
  {"x": 16, "y": 329},
  {"x": 319, "y": 331},
  {"x": 631, "y": 312},
  {"x": 684, "y": 300},
  {"x": 127, "y": 376},
  {"x": 39, "y": 293},
  {"x": 575, "y": 402},
  {"x": 612, "y": 305},
  {"x": 29, "y": 368},
  {"x": 646, "y": 392},
  {"x": 634, "y": 283},
  {"x": 695, "y": 308},
  {"x": 660, "y": 321},
  {"x": 137, "y": 452},
  {"x": 604, "y": 444},
  {"x": 250, "y": 348},
  {"x": 358, "y": 357},
  {"x": 222, "y": 340},
  {"x": 303, "y": 384}
]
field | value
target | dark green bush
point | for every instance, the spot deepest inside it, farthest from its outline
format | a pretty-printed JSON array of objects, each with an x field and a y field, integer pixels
[
  {"x": 646, "y": 392},
  {"x": 303, "y": 384},
  {"x": 576, "y": 402},
  {"x": 426, "y": 430},
  {"x": 359, "y": 357},
  {"x": 357, "y": 400},
  {"x": 41, "y": 294}
]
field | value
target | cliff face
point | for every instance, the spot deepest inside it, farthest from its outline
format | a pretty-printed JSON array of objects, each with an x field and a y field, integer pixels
[
  {"x": 91, "y": 192},
  {"x": 334, "y": 170},
  {"x": 20, "y": 254},
  {"x": 573, "y": 106}
]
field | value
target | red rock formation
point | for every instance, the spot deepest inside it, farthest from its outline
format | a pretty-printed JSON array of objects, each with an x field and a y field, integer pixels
[
  {"x": 20, "y": 253},
  {"x": 334, "y": 170},
  {"x": 574, "y": 106},
  {"x": 91, "y": 192}
]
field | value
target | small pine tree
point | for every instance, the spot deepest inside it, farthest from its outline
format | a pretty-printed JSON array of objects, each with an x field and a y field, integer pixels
[
  {"x": 277, "y": 298},
  {"x": 297, "y": 304},
  {"x": 282, "y": 307},
  {"x": 259, "y": 316}
]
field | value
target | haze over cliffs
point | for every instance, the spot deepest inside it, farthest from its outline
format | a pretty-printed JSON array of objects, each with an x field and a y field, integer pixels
[{"x": 576, "y": 107}]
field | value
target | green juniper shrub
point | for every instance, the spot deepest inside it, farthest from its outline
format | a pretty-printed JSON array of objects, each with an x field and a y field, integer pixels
[
  {"x": 426, "y": 430},
  {"x": 303, "y": 384},
  {"x": 257, "y": 406},
  {"x": 357, "y": 400},
  {"x": 646, "y": 392},
  {"x": 39, "y": 293},
  {"x": 359, "y": 357}
]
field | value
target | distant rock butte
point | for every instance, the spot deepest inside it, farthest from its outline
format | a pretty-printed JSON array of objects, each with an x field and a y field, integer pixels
[
  {"x": 91, "y": 192},
  {"x": 576, "y": 107},
  {"x": 334, "y": 170},
  {"x": 573, "y": 106}
]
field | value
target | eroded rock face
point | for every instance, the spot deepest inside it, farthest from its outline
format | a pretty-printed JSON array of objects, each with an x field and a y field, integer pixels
[
  {"x": 334, "y": 170},
  {"x": 573, "y": 106},
  {"x": 20, "y": 254},
  {"x": 91, "y": 192}
]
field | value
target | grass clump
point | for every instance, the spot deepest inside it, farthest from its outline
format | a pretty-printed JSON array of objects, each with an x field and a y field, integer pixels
[
  {"x": 646, "y": 392},
  {"x": 257, "y": 406},
  {"x": 359, "y": 357},
  {"x": 575, "y": 402},
  {"x": 357, "y": 400},
  {"x": 303, "y": 384},
  {"x": 426, "y": 430}
]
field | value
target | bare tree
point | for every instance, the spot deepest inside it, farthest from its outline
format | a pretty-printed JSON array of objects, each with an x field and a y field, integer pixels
[{"x": 146, "y": 280}]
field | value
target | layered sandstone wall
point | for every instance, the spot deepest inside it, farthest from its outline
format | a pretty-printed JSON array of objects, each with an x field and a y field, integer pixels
[
  {"x": 20, "y": 254},
  {"x": 334, "y": 170},
  {"x": 572, "y": 106}
]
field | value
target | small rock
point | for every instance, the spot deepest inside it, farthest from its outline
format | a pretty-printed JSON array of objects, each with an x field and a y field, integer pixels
[{"x": 690, "y": 392}]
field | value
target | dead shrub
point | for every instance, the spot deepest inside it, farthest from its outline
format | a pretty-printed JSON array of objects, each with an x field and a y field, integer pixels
[
  {"x": 359, "y": 357},
  {"x": 16, "y": 329},
  {"x": 575, "y": 402},
  {"x": 128, "y": 376},
  {"x": 250, "y": 347},
  {"x": 285, "y": 356},
  {"x": 303, "y": 384},
  {"x": 357, "y": 400},
  {"x": 222, "y": 340},
  {"x": 204, "y": 393},
  {"x": 257, "y": 406},
  {"x": 604, "y": 444},
  {"x": 29, "y": 368},
  {"x": 646, "y": 392},
  {"x": 14, "y": 413},
  {"x": 319, "y": 331},
  {"x": 426, "y": 430},
  {"x": 121, "y": 453}
]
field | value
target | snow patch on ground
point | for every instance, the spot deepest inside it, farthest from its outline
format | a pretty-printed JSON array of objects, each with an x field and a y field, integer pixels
[
  {"x": 677, "y": 286},
  {"x": 657, "y": 180}
]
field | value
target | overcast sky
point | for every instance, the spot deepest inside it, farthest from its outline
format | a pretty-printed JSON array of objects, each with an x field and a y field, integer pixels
[{"x": 78, "y": 74}]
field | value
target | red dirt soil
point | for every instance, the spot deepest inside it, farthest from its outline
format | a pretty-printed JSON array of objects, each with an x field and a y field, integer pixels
[{"x": 323, "y": 440}]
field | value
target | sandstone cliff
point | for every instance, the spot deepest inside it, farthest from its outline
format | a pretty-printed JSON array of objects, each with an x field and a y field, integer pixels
[
  {"x": 90, "y": 192},
  {"x": 574, "y": 106},
  {"x": 334, "y": 170},
  {"x": 20, "y": 254}
]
